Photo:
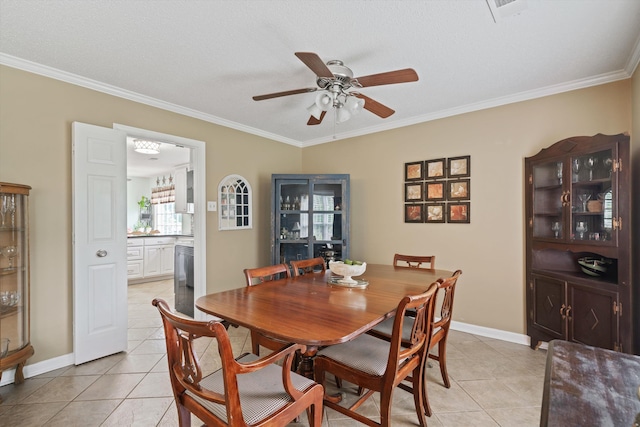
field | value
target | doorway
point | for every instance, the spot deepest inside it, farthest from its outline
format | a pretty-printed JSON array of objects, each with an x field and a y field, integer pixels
[{"x": 198, "y": 226}]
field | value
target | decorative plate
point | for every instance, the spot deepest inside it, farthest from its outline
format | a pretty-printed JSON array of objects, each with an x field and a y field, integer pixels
[{"x": 338, "y": 281}]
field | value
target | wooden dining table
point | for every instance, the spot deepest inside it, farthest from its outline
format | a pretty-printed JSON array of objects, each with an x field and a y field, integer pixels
[{"x": 313, "y": 311}]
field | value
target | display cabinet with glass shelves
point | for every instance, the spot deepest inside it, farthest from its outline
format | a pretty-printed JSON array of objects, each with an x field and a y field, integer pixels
[
  {"x": 15, "y": 346},
  {"x": 310, "y": 217},
  {"x": 578, "y": 243}
]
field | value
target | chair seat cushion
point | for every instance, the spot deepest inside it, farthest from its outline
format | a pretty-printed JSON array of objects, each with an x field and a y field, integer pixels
[
  {"x": 261, "y": 392},
  {"x": 365, "y": 353}
]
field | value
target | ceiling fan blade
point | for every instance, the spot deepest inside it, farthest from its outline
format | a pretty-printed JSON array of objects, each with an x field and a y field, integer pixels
[
  {"x": 285, "y": 93},
  {"x": 313, "y": 121},
  {"x": 391, "y": 77},
  {"x": 316, "y": 64},
  {"x": 374, "y": 106}
]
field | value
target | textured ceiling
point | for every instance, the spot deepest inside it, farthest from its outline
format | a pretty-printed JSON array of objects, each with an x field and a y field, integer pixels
[{"x": 208, "y": 58}]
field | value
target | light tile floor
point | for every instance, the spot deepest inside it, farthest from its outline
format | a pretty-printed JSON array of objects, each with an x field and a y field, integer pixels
[{"x": 494, "y": 383}]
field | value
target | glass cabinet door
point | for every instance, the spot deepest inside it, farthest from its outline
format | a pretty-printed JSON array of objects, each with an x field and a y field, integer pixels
[
  {"x": 593, "y": 202},
  {"x": 549, "y": 199},
  {"x": 293, "y": 220},
  {"x": 327, "y": 220},
  {"x": 15, "y": 347},
  {"x": 575, "y": 200}
]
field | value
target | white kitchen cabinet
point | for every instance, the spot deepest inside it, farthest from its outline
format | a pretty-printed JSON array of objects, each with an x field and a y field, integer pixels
[
  {"x": 158, "y": 256},
  {"x": 135, "y": 258},
  {"x": 183, "y": 179}
]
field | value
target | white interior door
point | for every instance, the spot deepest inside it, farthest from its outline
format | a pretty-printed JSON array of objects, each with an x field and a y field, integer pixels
[{"x": 99, "y": 242}]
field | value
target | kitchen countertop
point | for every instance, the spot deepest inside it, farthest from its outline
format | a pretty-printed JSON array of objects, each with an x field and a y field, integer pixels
[{"x": 135, "y": 236}]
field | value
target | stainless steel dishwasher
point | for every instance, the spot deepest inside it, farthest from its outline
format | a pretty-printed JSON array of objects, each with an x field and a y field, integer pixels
[{"x": 183, "y": 278}]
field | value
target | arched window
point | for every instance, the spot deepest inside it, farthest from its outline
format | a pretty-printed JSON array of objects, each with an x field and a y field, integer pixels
[{"x": 234, "y": 200}]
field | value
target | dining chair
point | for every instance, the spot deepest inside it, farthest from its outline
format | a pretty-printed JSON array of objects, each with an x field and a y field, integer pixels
[
  {"x": 244, "y": 391},
  {"x": 256, "y": 276},
  {"x": 412, "y": 261},
  {"x": 440, "y": 329},
  {"x": 304, "y": 266},
  {"x": 377, "y": 365}
]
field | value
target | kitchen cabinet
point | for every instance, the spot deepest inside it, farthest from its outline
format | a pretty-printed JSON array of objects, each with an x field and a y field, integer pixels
[
  {"x": 309, "y": 217},
  {"x": 158, "y": 256},
  {"x": 183, "y": 178},
  {"x": 135, "y": 258},
  {"x": 150, "y": 257},
  {"x": 15, "y": 346},
  {"x": 578, "y": 206}
]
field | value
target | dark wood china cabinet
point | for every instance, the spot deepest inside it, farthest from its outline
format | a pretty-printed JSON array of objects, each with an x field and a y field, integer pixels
[
  {"x": 578, "y": 243},
  {"x": 309, "y": 217}
]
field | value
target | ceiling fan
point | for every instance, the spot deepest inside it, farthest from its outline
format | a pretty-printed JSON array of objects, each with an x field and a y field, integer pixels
[{"x": 336, "y": 81}]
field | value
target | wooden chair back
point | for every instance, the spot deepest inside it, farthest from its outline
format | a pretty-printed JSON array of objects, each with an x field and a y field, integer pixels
[
  {"x": 439, "y": 329},
  {"x": 411, "y": 261},
  {"x": 259, "y": 275},
  {"x": 255, "y": 276},
  {"x": 221, "y": 398},
  {"x": 304, "y": 266},
  {"x": 358, "y": 361},
  {"x": 446, "y": 291}
]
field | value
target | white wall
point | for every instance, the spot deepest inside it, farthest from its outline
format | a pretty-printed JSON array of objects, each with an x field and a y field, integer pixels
[{"x": 136, "y": 188}]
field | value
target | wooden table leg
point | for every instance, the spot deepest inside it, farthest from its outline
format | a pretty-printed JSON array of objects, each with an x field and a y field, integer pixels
[{"x": 305, "y": 367}]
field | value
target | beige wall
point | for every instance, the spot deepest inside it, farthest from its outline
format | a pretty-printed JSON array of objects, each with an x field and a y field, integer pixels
[
  {"x": 35, "y": 148},
  {"x": 490, "y": 250}
]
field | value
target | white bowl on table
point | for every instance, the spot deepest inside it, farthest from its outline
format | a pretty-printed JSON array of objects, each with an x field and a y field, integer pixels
[{"x": 347, "y": 271}]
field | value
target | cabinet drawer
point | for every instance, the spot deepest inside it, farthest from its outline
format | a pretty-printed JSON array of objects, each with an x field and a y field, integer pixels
[
  {"x": 135, "y": 242},
  {"x": 135, "y": 252},
  {"x": 134, "y": 269},
  {"x": 152, "y": 241}
]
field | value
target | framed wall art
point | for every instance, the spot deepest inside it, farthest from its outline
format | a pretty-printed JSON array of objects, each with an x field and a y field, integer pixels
[
  {"x": 435, "y": 191},
  {"x": 413, "y": 191},
  {"x": 414, "y": 171},
  {"x": 435, "y": 169},
  {"x": 435, "y": 212},
  {"x": 459, "y": 189},
  {"x": 459, "y": 167},
  {"x": 459, "y": 212},
  {"x": 444, "y": 185},
  {"x": 414, "y": 212}
]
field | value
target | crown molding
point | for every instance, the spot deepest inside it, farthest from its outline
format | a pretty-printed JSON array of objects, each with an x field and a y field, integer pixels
[
  {"x": 74, "y": 79},
  {"x": 46, "y": 71}
]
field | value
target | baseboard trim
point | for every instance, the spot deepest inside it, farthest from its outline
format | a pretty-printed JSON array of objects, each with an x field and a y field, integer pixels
[
  {"x": 38, "y": 368},
  {"x": 491, "y": 333}
]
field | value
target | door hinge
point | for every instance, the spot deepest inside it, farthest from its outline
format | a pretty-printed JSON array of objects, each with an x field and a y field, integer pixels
[
  {"x": 617, "y": 223},
  {"x": 618, "y": 347},
  {"x": 530, "y": 178},
  {"x": 530, "y": 222},
  {"x": 617, "y": 308},
  {"x": 531, "y": 284},
  {"x": 617, "y": 165}
]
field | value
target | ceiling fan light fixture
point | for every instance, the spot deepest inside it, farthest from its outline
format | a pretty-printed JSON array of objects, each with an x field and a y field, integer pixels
[
  {"x": 354, "y": 104},
  {"x": 315, "y": 110},
  {"x": 324, "y": 100},
  {"x": 342, "y": 114},
  {"x": 146, "y": 147}
]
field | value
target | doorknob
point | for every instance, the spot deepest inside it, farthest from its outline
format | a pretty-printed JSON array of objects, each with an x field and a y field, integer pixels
[{"x": 101, "y": 253}]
